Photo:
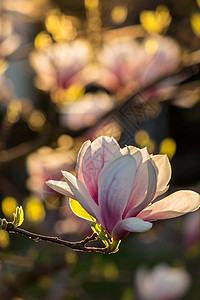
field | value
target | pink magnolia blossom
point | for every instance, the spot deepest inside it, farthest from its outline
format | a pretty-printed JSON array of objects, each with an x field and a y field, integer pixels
[
  {"x": 162, "y": 282},
  {"x": 86, "y": 111},
  {"x": 45, "y": 163},
  {"x": 57, "y": 66},
  {"x": 118, "y": 187},
  {"x": 132, "y": 64}
]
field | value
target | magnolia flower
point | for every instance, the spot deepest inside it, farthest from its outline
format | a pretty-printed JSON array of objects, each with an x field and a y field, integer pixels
[
  {"x": 117, "y": 187},
  {"x": 153, "y": 57},
  {"x": 43, "y": 164},
  {"x": 86, "y": 111},
  {"x": 27, "y": 10},
  {"x": 163, "y": 282},
  {"x": 57, "y": 65},
  {"x": 10, "y": 39}
]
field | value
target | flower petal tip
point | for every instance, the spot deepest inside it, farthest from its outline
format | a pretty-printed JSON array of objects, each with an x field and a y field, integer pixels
[{"x": 49, "y": 182}]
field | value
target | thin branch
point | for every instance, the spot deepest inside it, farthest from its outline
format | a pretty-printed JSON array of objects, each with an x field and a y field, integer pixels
[{"x": 78, "y": 246}]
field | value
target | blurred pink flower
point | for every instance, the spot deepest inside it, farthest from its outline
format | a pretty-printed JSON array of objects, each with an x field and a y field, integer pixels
[
  {"x": 45, "y": 163},
  {"x": 57, "y": 65},
  {"x": 86, "y": 111},
  {"x": 118, "y": 187},
  {"x": 163, "y": 282},
  {"x": 68, "y": 223},
  {"x": 9, "y": 39},
  {"x": 133, "y": 64},
  {"x": 27, "y": 10},
  {"x": 191, "y": 229}
]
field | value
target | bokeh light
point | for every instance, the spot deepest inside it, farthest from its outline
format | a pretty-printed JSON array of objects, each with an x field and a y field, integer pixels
[
  {"x": 110, "y": 271},
  {"x": 195, "y": 23},
  {"x": 34, "y": 211},
  {"x": 156, "y": 21},
  {"x": 119, "y": 14},
  {"x": 143, "y": 139},
  {"x": 8, "y": 205},
  {"x": 42, "y": 40},
  {"x": 4, "y": 239},
  {"x": 36, "y": 120},
  {"x": 168, "y": 146}
]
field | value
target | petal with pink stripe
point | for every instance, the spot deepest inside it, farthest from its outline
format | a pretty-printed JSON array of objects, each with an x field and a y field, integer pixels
[
  {"x": 115, "y": 183},
  {"x": 174, "y": 205}
]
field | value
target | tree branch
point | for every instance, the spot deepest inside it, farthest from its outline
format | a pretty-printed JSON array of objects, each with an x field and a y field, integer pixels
[{"x": 78, "y": 246}]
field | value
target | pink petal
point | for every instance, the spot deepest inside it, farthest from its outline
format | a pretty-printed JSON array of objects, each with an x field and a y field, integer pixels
[
  {"x": 92, "y": 160},
  {"x": 81, "y": 154},
  {"x": 125, "y": 226},
  {"x": 75, "y": 189},
  {"x": 139, "y": 187},
  {"x": 163, "y": 171},
  {"x": 174, "y": 205},
  {"x": 151, "y": 190},
  {"x": 115, "y": 183}
]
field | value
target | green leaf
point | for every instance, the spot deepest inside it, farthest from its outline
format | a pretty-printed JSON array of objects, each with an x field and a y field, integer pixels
[
  {"x": 3, "y": 224},
  {"x": 79, "y": 210},
  {"x": 114, "y": 246},
  {"x": 18, "y": 216},
  {"x": 101, "y": 233}
]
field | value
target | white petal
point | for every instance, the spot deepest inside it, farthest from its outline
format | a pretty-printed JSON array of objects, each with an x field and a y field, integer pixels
[
  {"x": 130, "y": 225},
  {"x": 174, "y": 205},
  {"x": 129, "y": 150},
  {"x": 75, "y": 189},
  {"x": 163, "y": 170}
]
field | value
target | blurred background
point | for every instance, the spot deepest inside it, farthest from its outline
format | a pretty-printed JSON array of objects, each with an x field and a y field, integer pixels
[{"x": 75, "y": 70}]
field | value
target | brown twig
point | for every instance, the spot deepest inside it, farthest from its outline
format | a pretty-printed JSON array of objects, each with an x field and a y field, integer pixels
[{"x": 78, "y": 246}]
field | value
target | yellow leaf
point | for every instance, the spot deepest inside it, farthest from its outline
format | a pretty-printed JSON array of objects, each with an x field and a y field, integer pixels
[{"x": 80, "y": 211}]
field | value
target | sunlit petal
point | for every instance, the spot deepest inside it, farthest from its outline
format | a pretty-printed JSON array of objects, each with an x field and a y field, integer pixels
[
  {"x": 115, "y": 183},
  {"x": 174, "y": 205},
  {"x": 79, "y": 210},
  {"x": 163, "y": 170},
  {"x": 151, "y": 190},
  {"x": 75, "y": 189},
  {"x": 125, "y": 226},
  {"x": 139, "y": 188},
  {"x": 102, "y": 150}
]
